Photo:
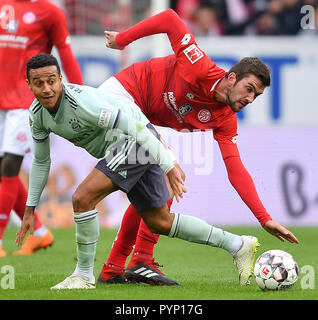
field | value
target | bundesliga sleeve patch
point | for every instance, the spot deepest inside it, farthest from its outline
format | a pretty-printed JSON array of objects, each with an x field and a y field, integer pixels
[
  {"x": 193, "y": 53},
  {"x": 104, "y": 118}
]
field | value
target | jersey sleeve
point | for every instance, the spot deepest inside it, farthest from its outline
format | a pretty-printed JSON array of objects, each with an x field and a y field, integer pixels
[
  {"x": 39, "y": 133},
  {"x": 56, "y": 26},
  {"x": 226, "y": 136},
  {"x": 192, "y": 62},
  {"x": 41, "y": 161}
]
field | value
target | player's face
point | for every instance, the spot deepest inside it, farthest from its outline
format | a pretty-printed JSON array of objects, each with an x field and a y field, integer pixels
[
  {"x": 46, "y": 85},
  {"x": 244, "y": 92}
]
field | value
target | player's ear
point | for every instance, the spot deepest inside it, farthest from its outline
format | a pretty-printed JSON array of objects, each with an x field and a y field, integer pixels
[
  {"x": 231, "y": 78},
  {"x": 28, "y": 83}
]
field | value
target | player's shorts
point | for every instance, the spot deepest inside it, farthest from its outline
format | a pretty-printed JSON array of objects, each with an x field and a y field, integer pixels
[
  {"x": 135, "y": 172},
  {"x": 15, "y": 133}
]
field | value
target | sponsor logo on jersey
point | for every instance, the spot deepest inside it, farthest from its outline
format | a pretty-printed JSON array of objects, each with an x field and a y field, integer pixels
[
  {"x": 204, "y": 115},
  {"x": 234, "y": 139},
  {"x": 186, "y": 39},
  {"x": 193, "y": 53},
  {"x": 185, "y": 109},
  {"x": 12, "y": 26},
  {"x": 75, "y": 124},
  {"x": 170, "y": 102}
]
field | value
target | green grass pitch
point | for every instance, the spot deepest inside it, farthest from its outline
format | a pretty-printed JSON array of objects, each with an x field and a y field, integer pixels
[{"x": 205, "y": 273}]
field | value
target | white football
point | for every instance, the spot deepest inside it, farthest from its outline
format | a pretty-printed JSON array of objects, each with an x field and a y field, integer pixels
[{"x": 275, "y": 270}]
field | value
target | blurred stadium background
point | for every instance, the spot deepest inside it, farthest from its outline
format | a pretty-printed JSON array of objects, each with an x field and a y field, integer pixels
[{"x": 278, "y": 134}]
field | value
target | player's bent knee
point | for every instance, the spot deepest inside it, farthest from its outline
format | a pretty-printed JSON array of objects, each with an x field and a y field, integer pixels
[
  {"x": 158, "y": 226},
  {"x": 80, "y": 201}
]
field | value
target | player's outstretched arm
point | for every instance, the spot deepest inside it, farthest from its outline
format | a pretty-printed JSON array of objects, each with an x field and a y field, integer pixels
[{"x": 279, "y": 231}]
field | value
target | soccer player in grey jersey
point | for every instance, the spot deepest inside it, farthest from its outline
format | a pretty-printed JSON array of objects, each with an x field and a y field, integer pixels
[{"x": 123, "y": 139}]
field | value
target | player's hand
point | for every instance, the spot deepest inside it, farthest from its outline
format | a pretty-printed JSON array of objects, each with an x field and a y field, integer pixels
[
  {"x": 279, "y": 231},
  {"x": 111, "y": 40},
  {"x": 176, "y": 183},
  {"x": 28, "y": 223}
]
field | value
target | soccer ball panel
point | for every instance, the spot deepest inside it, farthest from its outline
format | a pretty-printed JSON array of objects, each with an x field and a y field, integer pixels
[
  {"x": 260, "y": 282},
  {"x": 271, "y": 284}
]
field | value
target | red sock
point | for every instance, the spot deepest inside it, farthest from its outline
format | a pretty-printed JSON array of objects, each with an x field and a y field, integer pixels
[
  {"x": 19, "y": 205},
  {"x": 146, "y": 240},
  {"x": 125, "y": 239},
  {"x": 8, "y": 194}
]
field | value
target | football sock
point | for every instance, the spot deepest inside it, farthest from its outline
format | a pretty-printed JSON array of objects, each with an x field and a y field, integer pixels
[
  {"x": 19, "y": 207},
  {"x": 196, "y": 230},
  {"x": 125, "y": 238},
  {"x": 146, "y": 240},
  {"x": 8, "y": 195},
  {"x": 87, "y": 233}
]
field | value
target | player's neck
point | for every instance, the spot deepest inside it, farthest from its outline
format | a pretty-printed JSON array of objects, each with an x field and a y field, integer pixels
[{"x": 220, "y": 92}]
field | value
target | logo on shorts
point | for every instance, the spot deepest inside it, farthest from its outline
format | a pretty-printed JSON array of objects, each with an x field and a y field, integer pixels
[
  {"x": 123, "y": 173},
  {"x": 185, "y": 109},
  {"x": 204, "y": 115},
  {"x": 75, "y": 124},
  {"x": 193, "y": 53}
]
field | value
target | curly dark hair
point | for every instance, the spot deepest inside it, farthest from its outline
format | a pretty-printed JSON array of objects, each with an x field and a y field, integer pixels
[{"x": 42, "y": 60}]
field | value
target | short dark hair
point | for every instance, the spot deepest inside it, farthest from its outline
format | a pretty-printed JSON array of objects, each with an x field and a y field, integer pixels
[
  {"x": 255, "y": 66},
  {"x": 42, "y": 60}
]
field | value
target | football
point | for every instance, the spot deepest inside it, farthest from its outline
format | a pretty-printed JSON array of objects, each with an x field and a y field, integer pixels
[{"x": 275, "y": 270}]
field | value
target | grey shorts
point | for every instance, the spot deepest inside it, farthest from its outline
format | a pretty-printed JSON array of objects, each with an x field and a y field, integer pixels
[{"x": 135, "y": 172}]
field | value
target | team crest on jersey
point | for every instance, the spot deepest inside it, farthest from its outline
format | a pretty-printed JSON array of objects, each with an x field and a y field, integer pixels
[
  {"x": 204, "y": 115},
  {"x": 185, "y": 109},
  {"x": 193, "y": 53},
  {"x": 75, "y": 124}
]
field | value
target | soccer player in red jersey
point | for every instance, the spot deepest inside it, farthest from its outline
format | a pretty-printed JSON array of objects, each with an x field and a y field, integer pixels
[
  {"x": 185, "y": 90},
  {"x": 26, "y": 29}
]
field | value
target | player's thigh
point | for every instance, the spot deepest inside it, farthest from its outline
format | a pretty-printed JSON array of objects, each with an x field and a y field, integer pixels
[
  {"x": 95, "y": 187},
  {"x": 158, "y": 220},
  {"x": 16, "y": 134}
]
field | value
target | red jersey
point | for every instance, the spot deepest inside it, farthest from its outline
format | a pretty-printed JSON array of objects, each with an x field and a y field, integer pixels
[
  {"x": 26, "y": 29},
  {"x": 177, "y": 92}
]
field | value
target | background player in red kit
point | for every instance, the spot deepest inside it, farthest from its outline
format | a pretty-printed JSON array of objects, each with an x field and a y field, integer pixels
[
  {"x": 186, "y": 90},
  {"x": 26, "y": 29}
]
